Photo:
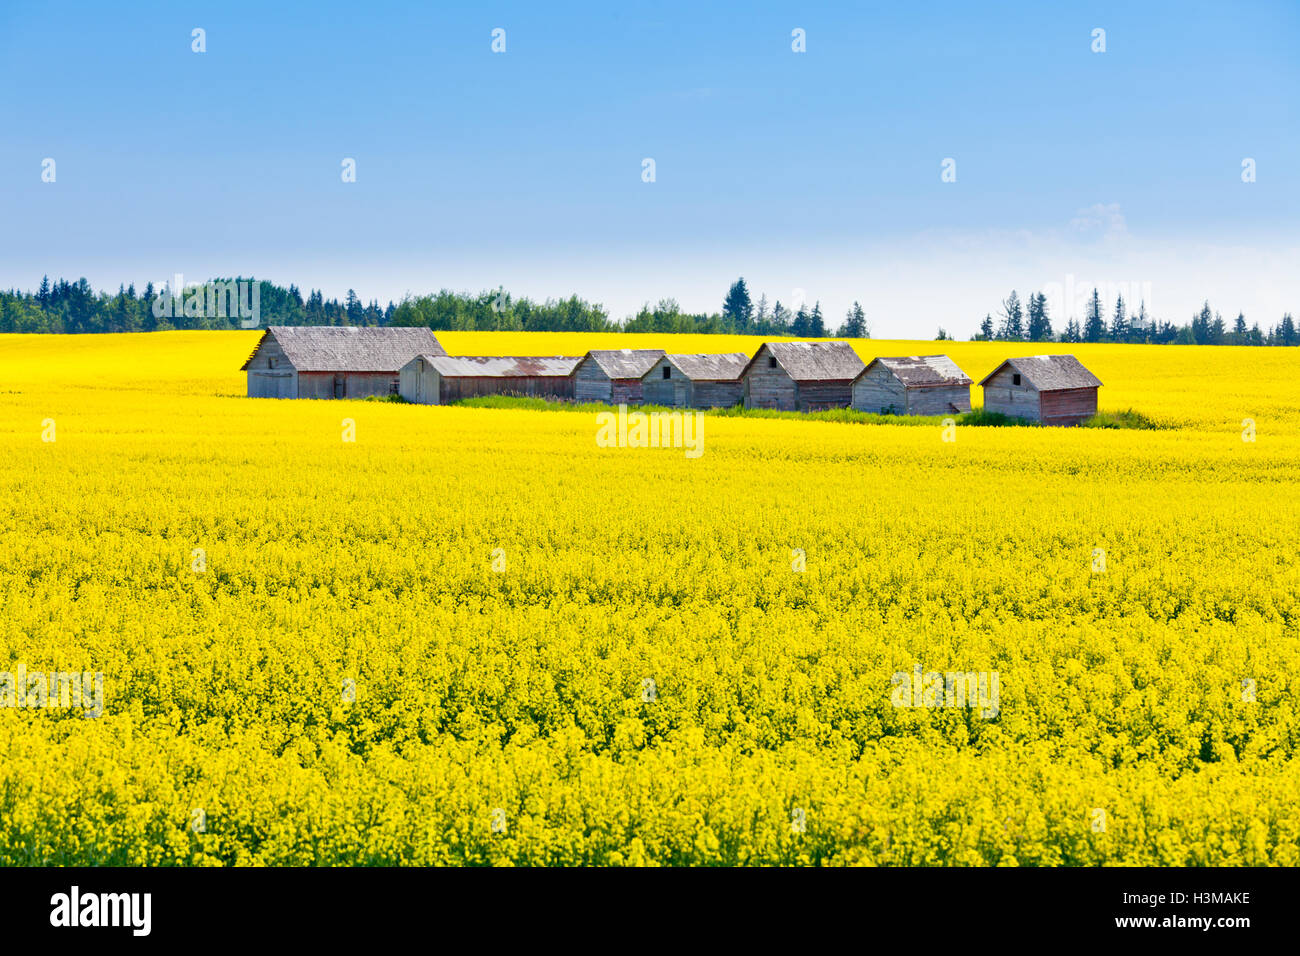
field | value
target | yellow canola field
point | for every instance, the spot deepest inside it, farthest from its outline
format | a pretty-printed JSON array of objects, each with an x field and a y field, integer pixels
[{"x": 474, "y": 636}]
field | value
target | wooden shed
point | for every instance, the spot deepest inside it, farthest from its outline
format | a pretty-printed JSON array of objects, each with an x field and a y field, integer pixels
[
  {"x": 695, "y": 381},
  {"x": 439, "y": 379},
  {"x": 333, "y": 361},
  {"x": 912, "y": 385},
  {"x": 613, "y": 376},
  {"x": 801, "y": 376},
  {"x": 1052, "y": 389}
]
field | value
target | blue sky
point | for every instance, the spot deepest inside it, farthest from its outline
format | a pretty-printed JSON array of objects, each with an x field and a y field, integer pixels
[{"x": 812, "y": 174}]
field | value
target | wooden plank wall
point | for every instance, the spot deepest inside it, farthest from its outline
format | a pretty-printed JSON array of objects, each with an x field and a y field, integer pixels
[
  {"x": 355, "y": 384},
  {"x": 454, "y": 388},
  {"x": 716, "y": 394},
  {"x": 1002, "y": 395},
  {"x": 626, "y": 391},
  {"x": 878, "y": 391},
  {"x": 590, "y": 384},
  {"x": 766, "y": 386},
  {"x": 1068, "y": 406},
  {"x": 938, "y": 400},
  {"x": 816, "y": 396}
]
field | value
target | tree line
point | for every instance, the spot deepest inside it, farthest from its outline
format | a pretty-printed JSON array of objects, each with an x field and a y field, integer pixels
[
  {"x": 1030, "y": 322},
  {"x": 63, "y": 306}
]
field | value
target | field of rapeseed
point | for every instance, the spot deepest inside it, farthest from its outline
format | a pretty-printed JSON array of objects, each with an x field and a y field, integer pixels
[{"x": 472, "y": 636}]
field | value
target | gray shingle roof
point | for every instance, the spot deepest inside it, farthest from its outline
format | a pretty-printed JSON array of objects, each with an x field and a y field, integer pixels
[
  {"x": 814, "y": 361},
  {"x": 482, "y": 366},
  {"x": 331, "y": 348},
  {"x": 625, "y": 363},
  {"x": 921, "y": 371},
  {"x": 699, "y": 367},
  {"x": 1049, "y": 373}
]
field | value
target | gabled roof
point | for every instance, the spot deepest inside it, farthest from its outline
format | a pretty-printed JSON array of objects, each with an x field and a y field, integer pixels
[
  {"x": 333, "y": 348},
  {"x": 699, "y": 367},
  {"x": 624, "y": 363},
  {"x": 1049, "y": 373},
  {"x": 483, "y": 366},
  {"x": 922, "y": 371},
  {"x": 813, "y": 361}
]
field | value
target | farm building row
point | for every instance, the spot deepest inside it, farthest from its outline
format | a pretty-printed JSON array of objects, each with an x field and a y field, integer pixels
[{"x": 333, "y": 362}]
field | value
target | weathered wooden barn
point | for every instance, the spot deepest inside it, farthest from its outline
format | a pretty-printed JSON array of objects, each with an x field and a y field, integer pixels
[
  {"x": 613, "y": 376},
  {"x": 801, "y": 376},
  {"x": 695, "y": 381},
  {"x": 1052, "y": 389},
  {"x": 912, "y": 385},
  {"x": 439, "y": 379},
  {"x": 333, "y": 361}
]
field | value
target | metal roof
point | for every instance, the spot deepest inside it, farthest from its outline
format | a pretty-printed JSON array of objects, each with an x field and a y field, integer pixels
[
  {"x": 922, "y": 371},
  {"x": 333, "y": 348},
  {"x": 483, "y": 366},
  {"x": 700, "y": 367},
  {"x": 1049, "y": 373},
  {"x": 814, "y": 361},
  {"x": 625, "y": 363}
]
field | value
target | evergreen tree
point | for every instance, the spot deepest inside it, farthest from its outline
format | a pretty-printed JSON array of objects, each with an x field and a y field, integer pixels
[
  {"x": 1286, "y": 333},
  {"x": 1201, "y": 323},
  {"x": 802, "y": 324},
  {"x": 736, "y": 307},
  {"x": 855, "y": 324},
  {"x": 1012, "y": 319},
  {"x": 816, "y": 324},
  {"x": 1218, "y": 330},
  {"x": 986, "y": 329},
  {"x": 1040, "y": 324},
  {"x": 1239, "y": 333},
  {"x": 1141, "y": 326},
  {"x": 1119, "y": 322},
  {"x": 1094, "y": 326},
  {"x": 780, "y": 319},
  {"x": 1071, "y": 333}
]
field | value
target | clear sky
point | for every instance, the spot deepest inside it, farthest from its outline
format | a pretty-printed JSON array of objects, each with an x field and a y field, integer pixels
[{"x": 817, "y": 171}]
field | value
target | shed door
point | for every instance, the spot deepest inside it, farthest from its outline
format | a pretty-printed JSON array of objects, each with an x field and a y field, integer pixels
[{"x": 340, "y": 386}]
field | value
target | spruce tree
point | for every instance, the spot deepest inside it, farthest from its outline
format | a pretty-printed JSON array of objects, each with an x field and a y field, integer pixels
[
  {"x": 736, "y": 307},
  {"x": 1094, "y": 326},
  {"x": 1119, "y": 322}
]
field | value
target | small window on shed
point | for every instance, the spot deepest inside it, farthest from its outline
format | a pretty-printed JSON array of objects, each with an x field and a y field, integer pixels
[
  {"x": 668, "y": 372},
  {"x": 771, "y": 361},
  {"x": 394, "y": 387},
  {"x": 1015, "y": 379},
  {"x": 270, "y": 363}
]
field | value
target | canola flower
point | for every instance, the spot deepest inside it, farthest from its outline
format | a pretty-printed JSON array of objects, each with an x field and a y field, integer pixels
[{"x": 431, "y": 645}]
